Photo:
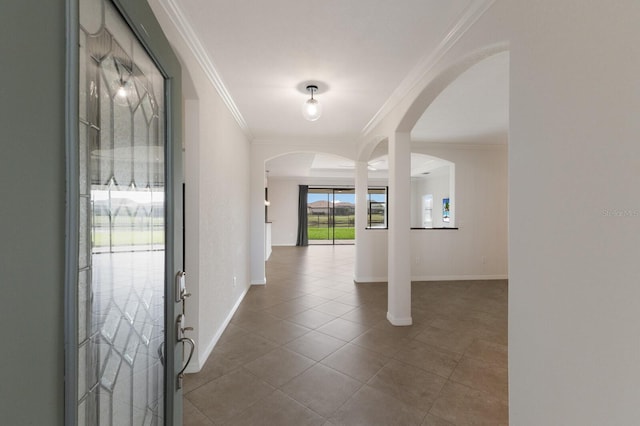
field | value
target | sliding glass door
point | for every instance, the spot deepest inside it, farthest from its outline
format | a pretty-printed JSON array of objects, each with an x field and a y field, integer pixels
[{"x": 331, "y": 215}]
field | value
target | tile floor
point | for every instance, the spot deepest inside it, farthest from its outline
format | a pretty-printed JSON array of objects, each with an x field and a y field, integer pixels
[{"x": 313, "y": 348}]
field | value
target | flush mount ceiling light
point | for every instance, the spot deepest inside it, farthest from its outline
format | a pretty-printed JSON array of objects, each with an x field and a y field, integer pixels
[
  {"x": 311, "y": 109},
  {"x": 122, "y": 84}
]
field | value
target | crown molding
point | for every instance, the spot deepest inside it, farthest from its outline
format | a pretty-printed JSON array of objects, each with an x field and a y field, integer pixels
[
  {"x": 303, "y": 140},
  {"x": 189, "y": 36},
  {"x": 469, "y": 17}
]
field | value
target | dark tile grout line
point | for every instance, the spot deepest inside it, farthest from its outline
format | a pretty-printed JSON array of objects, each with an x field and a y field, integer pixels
[{"x": 368, "y": 327}]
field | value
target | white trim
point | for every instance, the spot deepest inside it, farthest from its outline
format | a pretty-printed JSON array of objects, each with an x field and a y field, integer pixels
[
  {"x": 307, "y": 142},
  {"x": 459, "y": 277},
  {"x": 400, "y": 322},
  {"x": 459, "y": 145},
  {"x": 364, "y": 280},
  {"x": 193, "y": 42},
  {"x": 259, "y": 282},
  {"x": 469, "y": 17},
  {"x": 194, "y": 368}
]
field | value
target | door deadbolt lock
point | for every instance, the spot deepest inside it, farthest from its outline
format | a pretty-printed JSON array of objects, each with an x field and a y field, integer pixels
[{"x": 181, "y": 286}]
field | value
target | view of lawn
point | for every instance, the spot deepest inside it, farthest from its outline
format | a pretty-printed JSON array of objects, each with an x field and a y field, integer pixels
[
  {"x": 127, "y": 237},
  {"x": 324, "y": 227},
  {"x": 328, "y": 233},
  {"x": 127, "y": 230}
]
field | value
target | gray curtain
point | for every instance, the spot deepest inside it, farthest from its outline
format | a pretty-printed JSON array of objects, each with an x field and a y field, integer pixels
[{"x": 303, "y": 236}]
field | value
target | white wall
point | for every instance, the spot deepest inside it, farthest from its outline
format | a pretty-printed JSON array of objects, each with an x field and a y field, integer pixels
[
  {"x": 478, "y": 249},
  {"x": 283, "y": 211},
  {"x": 217, "y": 164},
  {"x": 574, "y": 296}
]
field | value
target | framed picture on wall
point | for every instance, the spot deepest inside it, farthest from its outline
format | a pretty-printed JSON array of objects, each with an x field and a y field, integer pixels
[{"x": 446, "y": 212}]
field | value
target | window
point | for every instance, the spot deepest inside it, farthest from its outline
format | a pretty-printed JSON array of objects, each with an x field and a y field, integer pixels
[{"x": 377, "y": 208}]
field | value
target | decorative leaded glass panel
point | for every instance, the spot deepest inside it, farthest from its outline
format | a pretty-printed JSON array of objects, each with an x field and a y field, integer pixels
[{"x": 120, "y": 291}]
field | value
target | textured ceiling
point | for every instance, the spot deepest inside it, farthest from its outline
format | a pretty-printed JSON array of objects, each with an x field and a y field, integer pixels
[{"x": 366, "y": 54}]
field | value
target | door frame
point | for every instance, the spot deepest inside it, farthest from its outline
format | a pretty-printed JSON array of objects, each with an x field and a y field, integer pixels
[
  {"x": 330, "y": 215},
  {"x": 146, "y": 28}
]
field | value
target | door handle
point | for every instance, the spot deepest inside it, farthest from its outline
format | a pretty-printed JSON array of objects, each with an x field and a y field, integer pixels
[
  {"x": 193, "y": 348},
  {"x": 181, "y": 328}
]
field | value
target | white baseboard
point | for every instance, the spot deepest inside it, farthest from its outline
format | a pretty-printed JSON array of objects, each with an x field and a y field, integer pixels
[
  {"x": 259, "y": 282},
  {"x": 435, "y": 278},
  {"x": 195, "y": 367},
  {"x": 283, "y": 245},
  {"x": 459, "y": 277},
  {"x": 399, "y": 321},
  {"x": 370, "y": 280}
]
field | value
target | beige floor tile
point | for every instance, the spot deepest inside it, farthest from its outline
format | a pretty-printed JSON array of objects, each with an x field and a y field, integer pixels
[
  {"x": 381, "y": 341},
  {"x": 231, "y": 332},
  {"x": 329, "y": 293},
  {"x": 279, "y": 366},
  {"x": 282, "y": 332},
  {"x": 278, "y": 409},
  {"x": 310, "y": 300},
  {"x": 258, "y": 298},
  {"x": 227, "y": 357},
  {"x": 315, "y": 345},
  {"x": 357, "y": 362},
  {"x": 459, "y": 332},
  {"x": 311, "y": 318},
  {"x": 216, "y": 366},
  {"x": 366, "y": 315},
  {"x": 487, "y": 351},
  {"x": 428, "y": 358},
  {"x": 489, "y": 378},
  {"x": 464, "y": 322},
  {"x": 343, "y": 329},
  {"x": 286, "y": 309},
  {"x": 334, "y": 308},
  {"x": 352, "y": 299},
  {"x": 322, "y": 389},
  {"x": 463, "y": 406},
  {"x": 372, "y": 407},
  {"x": 432, "y": 420},
  {"x": 411, "y": 385},
  {"x": 229, "y": 395},
  {"x": 454, "y": 341},
  {"x": 252, "y": 320},
  {"x": 244, "y": 348},
  {"x": 409, "y": 331},
  {"x": 191, "y": 416}
]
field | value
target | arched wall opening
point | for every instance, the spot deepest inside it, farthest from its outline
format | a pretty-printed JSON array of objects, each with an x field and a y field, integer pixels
[
  {"x": 476, "y": 169},
  {"x": 261, "y": 153},
  {"x": 462, "y": 118},
  {"x": 321, "y": 172}
]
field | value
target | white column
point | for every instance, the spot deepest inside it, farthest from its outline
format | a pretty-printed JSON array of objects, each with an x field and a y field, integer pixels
[
  {"x": 258, "y": 275},
  {"x": 399, "y": 203},
  {"x": 362, "y": 184}
]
